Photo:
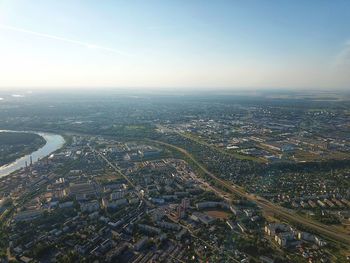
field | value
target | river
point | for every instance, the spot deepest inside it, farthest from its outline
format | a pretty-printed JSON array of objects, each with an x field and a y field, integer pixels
[{"x": 53, "y": 143}]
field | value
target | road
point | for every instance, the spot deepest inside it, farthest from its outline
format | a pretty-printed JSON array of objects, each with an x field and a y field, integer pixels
[
  {"x": 206, "y": 243},
  {"x": 113, "y": 166},
  {"x": 266, "y": 205},
  {"x": 150, "y": 205},
  {"x": 117, "y": 169}
]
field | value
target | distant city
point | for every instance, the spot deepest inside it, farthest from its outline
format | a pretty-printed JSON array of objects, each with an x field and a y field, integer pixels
[{"x": 163, "y": 178}]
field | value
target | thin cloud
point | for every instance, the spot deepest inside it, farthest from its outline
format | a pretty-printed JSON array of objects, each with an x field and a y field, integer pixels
[
  {"x": 343, "y": 57},
  {"x": 63, "y": 39}
]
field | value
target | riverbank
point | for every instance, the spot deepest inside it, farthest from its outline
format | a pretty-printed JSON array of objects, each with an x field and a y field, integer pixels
[
  {"x": 53, "y": 143},
  {"x": 14, "y": 145}
]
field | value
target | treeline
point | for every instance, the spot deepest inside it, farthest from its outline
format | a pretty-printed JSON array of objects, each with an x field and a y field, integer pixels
[
  {"x": 19, "y": 138},
  {"x": 14, "y": 145}
]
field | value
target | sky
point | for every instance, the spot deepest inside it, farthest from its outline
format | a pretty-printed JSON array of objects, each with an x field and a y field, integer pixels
[{"x": 175, "y": 43}]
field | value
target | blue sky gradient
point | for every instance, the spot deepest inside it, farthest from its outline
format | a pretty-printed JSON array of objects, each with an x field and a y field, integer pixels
[{"x": 163, "y": 43}]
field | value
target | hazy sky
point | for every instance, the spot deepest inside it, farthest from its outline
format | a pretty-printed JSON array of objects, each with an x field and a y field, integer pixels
[{"x": 302, "y": 44}]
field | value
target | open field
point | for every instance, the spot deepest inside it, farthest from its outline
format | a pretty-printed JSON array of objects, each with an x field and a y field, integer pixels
[{"x": 217, "y": 214}]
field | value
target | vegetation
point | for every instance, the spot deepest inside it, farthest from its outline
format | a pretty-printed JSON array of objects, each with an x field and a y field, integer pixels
[
  {"x": 326, "y": 217},
  {"x": 14, "y": 145}
]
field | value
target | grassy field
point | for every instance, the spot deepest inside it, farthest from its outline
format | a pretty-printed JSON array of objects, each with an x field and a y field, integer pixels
[
  {"x": 108, "y": 177},
  {"x": 217, "y": 214}
]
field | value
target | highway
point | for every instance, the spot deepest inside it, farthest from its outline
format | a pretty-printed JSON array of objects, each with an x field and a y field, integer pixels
[{"x": 267, "y": 206}]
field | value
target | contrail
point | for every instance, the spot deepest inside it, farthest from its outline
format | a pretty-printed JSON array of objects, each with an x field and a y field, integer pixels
[{"x": 67, "y": 40}]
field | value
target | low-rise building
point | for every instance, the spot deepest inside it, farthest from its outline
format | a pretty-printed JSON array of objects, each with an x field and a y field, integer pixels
[{"x": 90, "y": 206}]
